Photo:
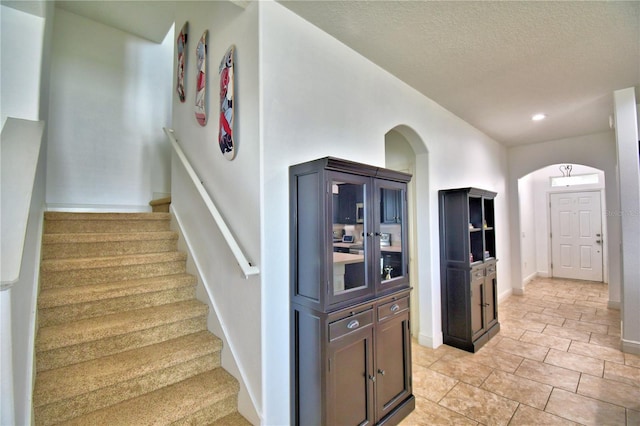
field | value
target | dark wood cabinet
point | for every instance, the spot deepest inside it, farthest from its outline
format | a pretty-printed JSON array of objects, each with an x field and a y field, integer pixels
[
  {"x": 391, "y": 206},
  {"x": 468, "y": 267},
  {"x": 350, "y": 330}
]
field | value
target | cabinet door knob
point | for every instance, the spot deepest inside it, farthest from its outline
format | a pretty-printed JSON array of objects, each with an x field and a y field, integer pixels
[
  {"x": 380, "y": 371},
  {"x": 372, "y": 378},
  {"x": 353, "y": 324},
  {"x": 394, "y": 307}
]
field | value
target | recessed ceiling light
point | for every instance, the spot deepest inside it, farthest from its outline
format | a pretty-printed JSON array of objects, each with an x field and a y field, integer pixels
[{"x": 538, "y": 117}]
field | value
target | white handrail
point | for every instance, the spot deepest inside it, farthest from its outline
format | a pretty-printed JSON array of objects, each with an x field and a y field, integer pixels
[{"x": 247, "y": 267}]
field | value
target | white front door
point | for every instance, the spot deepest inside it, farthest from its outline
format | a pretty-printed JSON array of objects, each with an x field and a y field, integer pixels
[{"x": 576, "y": 235}]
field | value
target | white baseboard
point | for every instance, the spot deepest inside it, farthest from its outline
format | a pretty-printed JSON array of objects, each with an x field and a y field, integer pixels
[
  {"x": 630, "y": 347},
  {"x": 504, "y": 295},
  {"x": 97, "y": 208},
  {"x": 528, "y": 279},
  {"x": 429, "y": 341},
  {"x": 611, "y": 304},
  {"x": 517, "y": 291}
]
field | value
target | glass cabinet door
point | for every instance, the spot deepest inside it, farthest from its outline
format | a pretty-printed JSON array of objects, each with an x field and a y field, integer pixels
[
  {"x": 350, "y": 246},
  {"x": 391, "y": 234}
]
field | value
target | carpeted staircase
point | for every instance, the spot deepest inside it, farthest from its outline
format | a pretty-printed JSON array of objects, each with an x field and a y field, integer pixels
[{"x": 122, "y": 339}]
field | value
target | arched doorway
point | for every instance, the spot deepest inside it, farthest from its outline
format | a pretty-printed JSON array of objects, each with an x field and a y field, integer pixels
[
  {"x": 563, "y": 223},
  {"x": 400, "y": 155}
]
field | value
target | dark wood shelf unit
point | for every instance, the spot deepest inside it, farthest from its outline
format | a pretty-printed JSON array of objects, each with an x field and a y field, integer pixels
[
  {"x": 350, "y": 329},
  {"x": 468, "y": 267}
]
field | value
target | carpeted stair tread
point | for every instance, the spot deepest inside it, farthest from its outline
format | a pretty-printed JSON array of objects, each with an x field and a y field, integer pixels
[
  {"x": 78, "y": 311},
  {"x": 99, "y": 237},
  {"x": 64, "y": 223},
  {"x": 91, "y": 329},
  {"x": 53, "y": 216},
  {"x": 170, "y": 404},
  {"x": 85, "y": 351},
  {"x": 66, "y": 246},
  {"x": 58, "y": 265},
  {"x": 67, "y": 382},
  {"x": 234, "y": 419},
  {"x": 61, "y": 296}
]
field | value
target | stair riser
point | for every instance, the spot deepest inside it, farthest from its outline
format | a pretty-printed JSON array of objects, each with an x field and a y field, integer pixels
[
  {"x": 56, "y": 279},
  {"x": 73, "y": 407},
  {"x": 211, "y": 413},
  {"x": 74, "y": 312},
  {"x": 86, "y": 226},
  {"x": 109, "y": 248},
  {"x": 68, "y": 355}
]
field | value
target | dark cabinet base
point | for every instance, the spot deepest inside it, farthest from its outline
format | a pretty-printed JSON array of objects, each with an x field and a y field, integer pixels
[
  {"x": 476, "y": 344},
  {"x": 399, "y": 413}
]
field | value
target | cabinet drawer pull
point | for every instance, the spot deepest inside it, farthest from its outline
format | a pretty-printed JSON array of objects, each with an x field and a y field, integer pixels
[
  {"x": 372, "y": 378},
  {"x": 394, "y": 308},
  {"x": 353, "y": 324},
  {"x": 380, "y": 371}
]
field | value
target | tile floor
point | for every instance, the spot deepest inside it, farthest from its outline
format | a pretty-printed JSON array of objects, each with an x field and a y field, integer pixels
[{"x": 555, "y": 361}]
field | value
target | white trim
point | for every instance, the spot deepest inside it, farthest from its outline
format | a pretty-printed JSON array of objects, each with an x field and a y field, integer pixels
[
  {"x": 611, "y": 304},
  {"x": 517, "y": 291},
  {"x": 528, "y": 279},
  {"x": 430, "y": 342},
  {"x": 505, "y": 295},
  {"x": 214, "y": 307},
  {"x": 630, "y": 347},
  {"x": 246, "y": 266}
]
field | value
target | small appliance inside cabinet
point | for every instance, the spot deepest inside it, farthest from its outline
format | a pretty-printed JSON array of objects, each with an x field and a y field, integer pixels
[
  {"x": 350, "y": 330},
  {"x": 468, "y": 267}
]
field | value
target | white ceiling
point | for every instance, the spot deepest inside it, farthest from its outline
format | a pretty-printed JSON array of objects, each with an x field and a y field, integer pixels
[
  {"x": 492, "y": 63},
  {"x": 496, "y": 63}
]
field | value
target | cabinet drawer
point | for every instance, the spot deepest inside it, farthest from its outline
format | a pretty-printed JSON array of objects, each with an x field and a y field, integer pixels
[
  {"x": 393, "y": 308},
  {"x": 491, "y": 269},
  {"x": 477, "y": 273},
  {"x": 350, "y": 324}
]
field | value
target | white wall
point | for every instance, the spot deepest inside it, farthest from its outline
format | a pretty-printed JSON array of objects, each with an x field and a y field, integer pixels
[
  {"x": 109, "y": 99},
  {"x": 629, "y": 175},
  {"x": 21, "y": 55},
  {"x": 528, "y": 254},
  {"x": 597, "y": 151},
  {"x": 321, "y": 98},
  {"x": 234, "y": 185}
]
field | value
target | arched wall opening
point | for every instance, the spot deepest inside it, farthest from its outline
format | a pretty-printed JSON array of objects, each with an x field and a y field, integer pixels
[
  {"x": 405, "y": 151},
  {"x": 597, "y": 151},
  {"x": 541, "y": 253}
]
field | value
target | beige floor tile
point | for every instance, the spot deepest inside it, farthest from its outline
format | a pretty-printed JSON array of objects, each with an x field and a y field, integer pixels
[
  {"x": 522, "y": 324},
  {"x": 605, "y": 340},
  {"x": 622, "y": 373},
  {"x": 596, "y": 351},
  {"x": 584, "y": 410},
  {"x": 421, "y": 355},
  {"x": 528, "y": 416},
  {"x": 428, "y": 413},
  {"x": 588, "y": 303},
  {"x": 611, "y": 313},
  {"x": 430, "y": 384},
  {"x": 586, "y": 326},
  {"x": 571, "y": 361},
  {"x": 610, "y": 391},
  {"x": 559, "y": 343},
  {"x": 632, "y": 360},
  {"x": 542, "y": 302},
  {"x": 567, "y": 333},
  {"x": 510, "y": 332},
  {"x": 563, "y": 313},
  {"x": 578, "y": 308},
  {"x": 545, "y": 319},
  {"x": 523, "y": 390},
  {"x": 492, "y": 357},
  {"x": 633, "y": 417},
  {"x": 523, "y": 349},
  {"x": 549, "y": 374},
  {"x": 601, "y": 319},
  {"x": 480, "y": 405},
  {"x": 560, "y": 299},
  {"x": 463, "y": 369}
]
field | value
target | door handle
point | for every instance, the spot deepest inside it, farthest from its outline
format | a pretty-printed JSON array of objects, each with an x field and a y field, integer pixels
[{"x": 599, "y": 241}]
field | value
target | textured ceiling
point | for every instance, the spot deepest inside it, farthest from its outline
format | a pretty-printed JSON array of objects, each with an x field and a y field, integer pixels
[{"x": 495, "y": 64}]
